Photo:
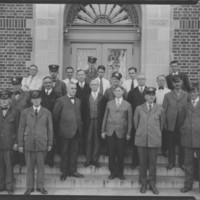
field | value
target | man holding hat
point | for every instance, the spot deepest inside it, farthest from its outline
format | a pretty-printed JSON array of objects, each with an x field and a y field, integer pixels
[
  {"x": 173, "y": 104},
  {"x": 91, "y": 73},
  {"x": 148, "y": 121},
  {"x": 190, "y": 137},
  {"x": 109, "y": 93},
  {"x": 35, "y": 138},
  {"x": 59, "y": 86},
  {"x": 9, "y": 119}
]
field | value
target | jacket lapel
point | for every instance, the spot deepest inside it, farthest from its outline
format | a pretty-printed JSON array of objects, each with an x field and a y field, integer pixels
[{"x": 40, "y": 112}]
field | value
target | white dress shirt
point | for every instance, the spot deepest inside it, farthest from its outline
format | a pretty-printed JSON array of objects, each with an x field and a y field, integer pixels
[
  {"x": 31, "y": 83},
  {"x": 38, "y": 108},
  {"x": 195, "y": 101},
  {"x": 66, "y": 81},
  {"x": 127, "y": 84},
  {"x": 105, "y": 82},
  {"x": 160, "y": 93},
  {"x": 118, "y": 101},
  {"x": 49, "y": 91}
]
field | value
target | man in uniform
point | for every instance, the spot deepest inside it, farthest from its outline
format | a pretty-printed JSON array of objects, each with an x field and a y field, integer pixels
[
  {"x": 9, "y": 118},
  {"x": 67, "y": 119},
  {"x": 148, "y": 121},
  {"x": 35, "y": 138},
  {"x": 91, "y": 72},
  {"x": 59, "y": 86}
]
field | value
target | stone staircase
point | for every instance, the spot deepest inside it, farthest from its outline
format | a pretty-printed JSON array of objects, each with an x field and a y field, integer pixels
[{"x": 96, "y": 180}]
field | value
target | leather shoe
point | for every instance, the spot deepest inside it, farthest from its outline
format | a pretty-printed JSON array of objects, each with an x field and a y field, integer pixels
[
  {"x": 171, "y": 166},
  {"x": 111, "y": 177},
  {"x": 63, "y": 177},
  {"x": 143, "y": 189},
  {"x": 77, "y": 175},
  {"x": 42, "y": 190},
  {"x": 28, "y": 191},
  {"x": 154, "y": 189},
  {"x": 185, "y": 189},
  {"x": 121, "y": 177},
  {"x": 10, "y": 191}
]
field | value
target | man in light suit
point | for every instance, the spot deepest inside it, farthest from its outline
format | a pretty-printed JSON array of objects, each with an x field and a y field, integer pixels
[
  {"x": 190, "y": 137},
  {"x": 136, "y": 97},
  {"x": 173, "y": 104},
  {"x": 131, "y": 83},
  {"x": 69, "y": 71},
  {"x": 32, "y": 82},
  {"x": 93, "y": 111},
  {"x": 59, "y": 86},
  {"x": 104, "y": 84},
  {"x": 67, "y": 119},
  {"x": 35, "y": 138},
  {"x": 149, "y": 121},
  {"x": 116, "y": 128},
  {"x": 175, "y": 71}
]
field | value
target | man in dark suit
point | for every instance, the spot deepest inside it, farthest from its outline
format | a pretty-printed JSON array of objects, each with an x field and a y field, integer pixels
[
  {"x": 48, "y": 97},
  {"x": 174, "y": 69},
  {"x": 67, "y": 119},
  {"x": 9, "y": 118},
  {"x": 35, "y": 138},
  {"x": 59, "y": 86},
  {"x": 116, "y": 128},
  {"x": 136, "y": 97},
  {"x": 93, "y": 110},
  {"x": 173, "y": 104}
]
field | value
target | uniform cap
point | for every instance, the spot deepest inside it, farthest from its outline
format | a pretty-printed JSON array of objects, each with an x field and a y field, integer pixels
[
  {"x": 151, "y": 90},
  {"x": 176, "y": 78},
  {"x": 53, "y": 68},
  {"x": 92, "y": 59},
  {"x": 117, "y": 75},
  {"x": 16, "y": 80},
  {"x": 35, "y": 94}
]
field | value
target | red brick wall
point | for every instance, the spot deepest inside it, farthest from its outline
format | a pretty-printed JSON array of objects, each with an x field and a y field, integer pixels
[
  {"x": 15, "y": 41},
  {"x": 186, "y": 39}
]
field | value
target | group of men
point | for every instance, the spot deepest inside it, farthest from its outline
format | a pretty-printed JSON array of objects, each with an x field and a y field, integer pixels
[{"x": 73, "y": 116}]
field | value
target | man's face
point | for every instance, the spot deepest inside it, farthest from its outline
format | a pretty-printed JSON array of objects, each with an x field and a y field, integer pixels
[
  {"x": 161, "y": 81},
  {"x": 36, "y": 101},
  {"x": 94, "y": 85},
  {"x": 118, "y": 92},
  {"x": 101, "y": 73},
  {"x": 177, "y": 85},
  {"x": 81, "y": 76},
  {"x": 194, "y": 94},
  {"x": 48, "y": 83},
  {"x": 91, "y": 65},
  {"x": 33, "y": 70},
  {"x": 115, "y": 81},
  {"x": 174, "y": 67},
  {"x": 71, "y": 89},
  {"x": 16, "y": 87},
  {"x": 141, "y": 80},
  {"x": 5, "y": 102},
  {"x": 132, "y": 74},
  {"x": 150, "y": 98},
  {"x": 53, "y": 74},
  {"x": 69, "y": 73}
]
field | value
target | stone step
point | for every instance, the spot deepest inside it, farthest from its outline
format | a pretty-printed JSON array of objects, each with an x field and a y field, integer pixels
[
  {"x": 103, "y": 170},
  {"x": 102, "y": 181}
]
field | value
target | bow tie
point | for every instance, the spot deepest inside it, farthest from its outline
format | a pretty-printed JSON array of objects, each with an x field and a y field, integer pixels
[
  {"x": 17, "y": 92},
  {"x": 5, "y": 108},
  {"x": 72, "y": 97},
  {"x": 161, "y": 88}
]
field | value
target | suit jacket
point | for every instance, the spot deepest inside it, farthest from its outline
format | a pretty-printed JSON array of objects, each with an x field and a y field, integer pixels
[
  {"x": 22, "y": 102},
  {"x": 8, "y": 128},
  {"x": 190, "y": 130},
  {"x": 173, "y": 107},
  {"x": 35, "y": 133},
  {"x": 67, "y": 116},
  {"x": 117, "y": 119},
  {"x": 184, "y": 77},
  {"x": 100, "y": 111},
  {"x": 136, "y": 98},
  {"x": 60, "y": 88},
  {"x": 82, "y": 92},
  {"x": 148, "y": 125},
  {"x": 127, "y": 84}
]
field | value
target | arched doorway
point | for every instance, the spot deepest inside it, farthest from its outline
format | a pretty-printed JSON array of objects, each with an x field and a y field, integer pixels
[{"x": 110, "y": 32}]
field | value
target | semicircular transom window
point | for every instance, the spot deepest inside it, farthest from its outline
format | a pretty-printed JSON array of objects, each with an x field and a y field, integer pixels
[{"x": 104, "y": 14}]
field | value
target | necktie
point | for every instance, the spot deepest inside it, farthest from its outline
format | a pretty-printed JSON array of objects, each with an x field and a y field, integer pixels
[
  {"x": 118, "y": 103},
  {"x": 47, "y": 92},
  {"x": 132, "y": 85},
  {"x": 101, "y": 86},
  {"x": 36, "y": 112},
  {"x": 150, "y": 107},
  {"x": 141, "y": 89}
]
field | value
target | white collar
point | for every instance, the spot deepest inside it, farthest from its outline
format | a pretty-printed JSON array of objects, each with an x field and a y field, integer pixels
[
  {"x": 174, "y": 73},
  {"x": 119, "y": 100},
  {"x": 49, "y": 91},
  {"x": 196, "y": 100},
  {"x": 38, "y": 108}
]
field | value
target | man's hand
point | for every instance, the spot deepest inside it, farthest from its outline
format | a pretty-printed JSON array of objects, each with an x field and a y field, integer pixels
[
  {"x": 103, "y": 135},
  {"x": 128, "y": 137},
  {"x": 20, "y": 149},
  {"x": 49, "y": 148},
  {"x": 15, "y": 147}
]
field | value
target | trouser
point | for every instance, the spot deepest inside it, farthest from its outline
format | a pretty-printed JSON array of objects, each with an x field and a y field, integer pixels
[
  {"x": 92, "y": 142},
  {"x": 69, "y": 154},
  {"x": 135, "y": 159},
  {"x": 147, "y": 160},
  {"x": 32, "y": 158},
  {"x": 116, "y": 154},
  {"x": 189, "y": 165},
  {"x": 164, "y": 141},
  {"x": 49, "y": 160},
  {"x": 6, "y": 169}
]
